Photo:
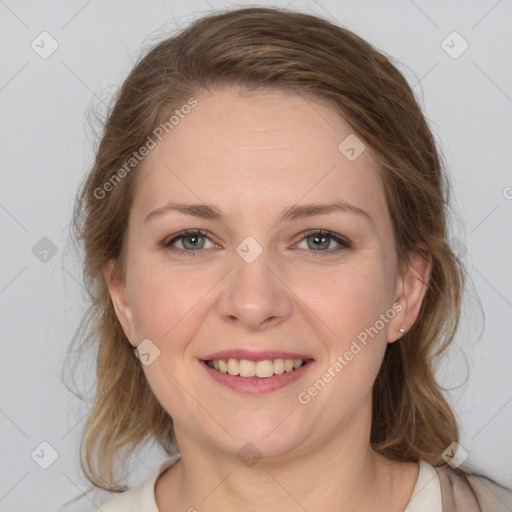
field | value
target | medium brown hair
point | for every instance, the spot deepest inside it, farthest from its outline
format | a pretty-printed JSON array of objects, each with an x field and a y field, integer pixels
[{"x": 276, "y": 49}]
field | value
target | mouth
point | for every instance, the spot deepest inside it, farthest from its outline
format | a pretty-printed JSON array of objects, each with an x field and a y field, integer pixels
[
  {"x": 263, "y": 369},
  {"x": 256, "y": 377}
]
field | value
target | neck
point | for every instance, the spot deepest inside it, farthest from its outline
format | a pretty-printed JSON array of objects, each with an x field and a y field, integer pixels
[{"x": 342, "y": 474}]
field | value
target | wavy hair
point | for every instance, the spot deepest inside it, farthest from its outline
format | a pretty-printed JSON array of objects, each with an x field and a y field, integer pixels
[{"x": 276, "y": 49}]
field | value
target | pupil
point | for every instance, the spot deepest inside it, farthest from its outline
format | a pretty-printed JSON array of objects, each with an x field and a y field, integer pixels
[
  {"x": 323, "y": 238},
  {"x": 192, "y": 237}
]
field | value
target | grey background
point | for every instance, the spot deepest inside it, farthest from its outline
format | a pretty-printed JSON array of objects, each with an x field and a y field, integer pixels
[{"x": 47, "y": 146}]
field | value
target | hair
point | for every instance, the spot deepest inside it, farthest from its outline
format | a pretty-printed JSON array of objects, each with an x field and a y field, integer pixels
[{"x": 258, "y": 49}]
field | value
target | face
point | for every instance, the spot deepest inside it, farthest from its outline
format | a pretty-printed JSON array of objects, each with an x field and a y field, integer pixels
[{"x": 257, "y": 280}]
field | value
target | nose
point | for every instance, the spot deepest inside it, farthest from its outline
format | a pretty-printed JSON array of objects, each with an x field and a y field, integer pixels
[{"x": 255, "y": 295}]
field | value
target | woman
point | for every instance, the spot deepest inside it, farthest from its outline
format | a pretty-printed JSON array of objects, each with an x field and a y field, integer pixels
[{"x": 265, "y": 230}]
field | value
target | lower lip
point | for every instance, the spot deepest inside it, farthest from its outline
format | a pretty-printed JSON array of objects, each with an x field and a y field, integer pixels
[{"x": 256, "y": 385}]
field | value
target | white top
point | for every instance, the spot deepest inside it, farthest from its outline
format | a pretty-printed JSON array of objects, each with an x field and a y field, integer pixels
[{"x": 426, "y": 495}]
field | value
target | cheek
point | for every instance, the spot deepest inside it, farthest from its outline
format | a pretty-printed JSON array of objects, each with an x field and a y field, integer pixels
[
  {"x": 354, "y": 310},
  {"x": 166, "y": 299},
  {"x": 169, "y": 305},
  {"x": 348, "y": 300},
  {"x": 350, "y": 306}
]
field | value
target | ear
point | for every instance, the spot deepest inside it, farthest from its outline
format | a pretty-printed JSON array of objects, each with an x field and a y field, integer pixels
[
  {"x": 410, "y": 288},
  {"x": 122, "y": 307}
]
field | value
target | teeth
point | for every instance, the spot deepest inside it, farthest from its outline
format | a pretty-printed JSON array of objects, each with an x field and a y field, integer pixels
[
  {"x": 262, "y": 369},
  {"x": 278, "y": 366},
  {"x": 247, "y": 368},
  {"x": 233, "y": 367}
]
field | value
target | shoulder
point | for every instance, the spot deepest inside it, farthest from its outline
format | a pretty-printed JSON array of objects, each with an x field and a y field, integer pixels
[
  {"x": 456, "y": 496},
  {"x": 140, "y": 498}
]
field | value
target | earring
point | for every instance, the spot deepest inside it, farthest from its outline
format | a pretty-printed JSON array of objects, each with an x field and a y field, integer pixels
[{"x": 402, "y": 330}]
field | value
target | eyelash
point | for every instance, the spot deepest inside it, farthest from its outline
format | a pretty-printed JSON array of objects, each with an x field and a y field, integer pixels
[{"x": 167, "y": 244}]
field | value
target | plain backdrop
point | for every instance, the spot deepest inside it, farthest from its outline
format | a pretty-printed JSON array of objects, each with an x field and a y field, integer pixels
[{"x": 47, "y": 146}]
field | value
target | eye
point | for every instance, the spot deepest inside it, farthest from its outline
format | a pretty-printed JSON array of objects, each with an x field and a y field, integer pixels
[
  {"x": 192, "y": 240},
  {"x": 320, "y": 240}
]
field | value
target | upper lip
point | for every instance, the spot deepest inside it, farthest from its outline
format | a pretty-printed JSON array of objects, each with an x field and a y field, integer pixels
[{"x": 254, "y": 356}]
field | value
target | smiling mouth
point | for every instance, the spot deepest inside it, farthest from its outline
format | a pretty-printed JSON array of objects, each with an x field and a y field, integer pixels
[{"x": 259, "y": 369}]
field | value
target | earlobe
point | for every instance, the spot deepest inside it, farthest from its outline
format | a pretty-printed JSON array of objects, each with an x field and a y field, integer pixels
[
  {"x": 122, "y": 307},
  {"x": 412, "y": 286}
]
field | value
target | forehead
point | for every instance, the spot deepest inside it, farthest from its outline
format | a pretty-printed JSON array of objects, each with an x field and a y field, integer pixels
[{"x": 257, "y": 150}]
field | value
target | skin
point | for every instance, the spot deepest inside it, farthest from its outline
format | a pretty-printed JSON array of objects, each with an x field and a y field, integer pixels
[{"x": 252, "y": 155}]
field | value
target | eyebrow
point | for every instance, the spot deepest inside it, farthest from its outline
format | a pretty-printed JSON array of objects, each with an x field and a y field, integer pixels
[{"x": 208, "y": 211}]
